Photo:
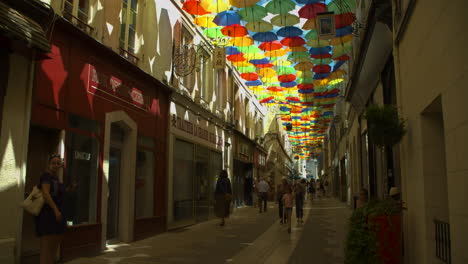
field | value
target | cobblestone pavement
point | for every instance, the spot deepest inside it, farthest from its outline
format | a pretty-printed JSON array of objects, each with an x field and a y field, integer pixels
[{"x": 248, "y": 237}]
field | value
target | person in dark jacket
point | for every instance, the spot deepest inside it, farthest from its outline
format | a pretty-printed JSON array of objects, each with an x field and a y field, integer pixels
[{"x": 223, "y": 196}]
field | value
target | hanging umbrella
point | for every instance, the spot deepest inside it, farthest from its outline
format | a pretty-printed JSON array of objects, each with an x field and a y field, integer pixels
[
  {"x": 287, "y": 78},
  {"x": 284, "y": 20},
  {"x": 282, "y": 62},
  {"x": 341, "y": 32},
  {"x": 267, "y": 73},
  {"x": 293, "y": 42},
  {"x": 310, "y": 24},
  {"x": 253, "y": 83},
  {"x": 243, "y": 3},
  {"x": 237, "y": 57},
  {"x": 243, "y": 63},
  {"x": 343, "y": 20},
  {"x": 304, "y": 66},
  {"x": 305, "y": 74},
  {"x": 312, "y": 34},
  {"x": 341, "y": 40},
  {"x": 342, "y": 58},
  {"x": 269, "y": 46},
  {"x": 254, "y": 56},
  {"x": 308, "y": 1},
  {"x": 341, "y": 6},
  {"x": 261, "y": 61},
  {"x": 321, "y": 56},
  {"x": 317, "y": 51},
  {"x": 249, "y": 49},
  {"x": 318, "y": 43},
  {"x": 295, "y": 55},
  {"x": 194, "y": 7},
  {"x": 253, "y": 13},
  {"x": 259, "y": 26},
  {"x": 265, "y": 36},
  {"x": 289, "y": 32},
  {"x": 325, "y": 61},
  {"x": 280, "y": 6},
  {"x": 311, "y": 10},
  {"x": 297, "y": 49},
  {"x": 285, "y": 70},
  {"x": 213, "y": 32},
  {"x": 231, "y": 50},
  {"x": 276, "y": 53},
  {"x": 249, "y": 76},
  {"x": 322, "y": 69},
  {"x": 227, "y": 18},
  {"x": 215, "y": 6},
  {"x": 205, "y": 21},
  {"x": 234, "y": 31},
  {"x": 242, "y": 41},
  {"x": 246, "y": 69}
]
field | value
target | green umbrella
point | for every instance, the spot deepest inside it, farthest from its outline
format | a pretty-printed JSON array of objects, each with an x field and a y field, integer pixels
[
  {"x": 246, "y": 69},
  {"x": 253, "y": 13},
  {"x": 259, "y": 26},
  {"x": 341, "y": 6},
  {"x": 322, "y": 61},
  {"x": 312, "y": 34},
  {"x": 285, "y": 20},
  {"x": 296, "y": 55},
  {"x": 280, "y": 6},
  {"x": 249, "y": 49},
  {"x": 213, "y": 32},
  {"x": 285, "y": 70},
  {"x": 305, "y": 80}
]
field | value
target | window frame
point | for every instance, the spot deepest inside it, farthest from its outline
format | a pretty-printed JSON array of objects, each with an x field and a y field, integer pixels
[{"x": 124, "y": 44}]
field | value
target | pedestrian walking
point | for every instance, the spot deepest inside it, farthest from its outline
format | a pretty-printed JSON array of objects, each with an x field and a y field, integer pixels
[
  {"x": 281, "y": 190},
  {"x": 288, "y": 200},
  {"x": 299, "y": 193},
  {"x": 50, "y": 223},
  {"x": 223, "y": 196},
  {"x": 255, "y": 193},
  {"x": 263, "y": 188},
  {"x": 311, "y": 189}
]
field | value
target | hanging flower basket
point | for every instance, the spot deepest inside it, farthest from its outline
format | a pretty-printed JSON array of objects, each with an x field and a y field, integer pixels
[{"x": 385, "y": 127}]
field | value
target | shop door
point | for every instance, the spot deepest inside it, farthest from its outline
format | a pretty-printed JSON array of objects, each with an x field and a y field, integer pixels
[
  {"x": 43, "y": 142},
  {"x": 115, "y": 164},
  {"x": 202, "y": 182}
]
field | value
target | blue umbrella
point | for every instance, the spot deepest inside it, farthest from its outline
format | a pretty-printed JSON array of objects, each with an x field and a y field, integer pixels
[
  {"x": 340, "y": 32},
  {"x": 226, "y": 18},
  {"x": 253, "y": 83},
  {"x": 288, "y": 84},
  {"x": 231, "y": 50},
  {"x": 318, "y": 51},
  {"x": 262, "y": 61},
  {"x": 289, "y": 32},
  {"x": 308, "y": 1},
  {"x": 265, "y": 37}
]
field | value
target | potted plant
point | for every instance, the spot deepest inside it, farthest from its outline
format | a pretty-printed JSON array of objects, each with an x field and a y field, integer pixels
[
  {"x": 374, "y": 235},
  {"x": 385, "y": 127}
]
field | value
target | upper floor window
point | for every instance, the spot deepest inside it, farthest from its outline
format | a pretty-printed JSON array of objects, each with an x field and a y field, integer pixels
[
  {"x": 128, "y": 26},
  {"x": 76, "y": 11}
]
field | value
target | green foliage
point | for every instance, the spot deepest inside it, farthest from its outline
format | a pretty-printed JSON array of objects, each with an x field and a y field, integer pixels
[
  {"x": 361, "y": 245},
  {"x": 385, "y": 127}
]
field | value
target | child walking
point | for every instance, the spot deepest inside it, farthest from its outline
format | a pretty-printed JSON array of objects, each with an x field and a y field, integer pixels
[{"x": 288, "y": 200}]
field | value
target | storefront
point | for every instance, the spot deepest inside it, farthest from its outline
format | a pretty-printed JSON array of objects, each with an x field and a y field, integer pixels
[
  {"x": 242, "y": 180},
  {"x": 108, "y": 119},
  {"x": 196, "y": 159}
]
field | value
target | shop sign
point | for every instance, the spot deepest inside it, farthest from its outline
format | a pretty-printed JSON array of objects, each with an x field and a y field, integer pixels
[
  {"x": 82, "y": 155},
  {"x": 195, "y": 130},
  {"x": 219, "y": 58},
  {"x": 116, "y": 88}
]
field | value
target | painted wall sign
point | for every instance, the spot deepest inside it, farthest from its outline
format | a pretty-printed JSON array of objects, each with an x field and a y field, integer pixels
[
  {"x": 197, "y": 131},
  {"x": 99, "y": 82}
]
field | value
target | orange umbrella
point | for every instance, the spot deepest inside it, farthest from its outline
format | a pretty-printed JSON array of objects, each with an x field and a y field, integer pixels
[
  {"x": 194, "y": 7},
  {"x": 269, "y": 46},
  {"x": 234, "y": 31},
  {"x": 243, "y": 3}
]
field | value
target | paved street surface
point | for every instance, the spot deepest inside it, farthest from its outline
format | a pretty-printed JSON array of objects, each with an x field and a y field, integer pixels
[{"x": 248, "y": 237}]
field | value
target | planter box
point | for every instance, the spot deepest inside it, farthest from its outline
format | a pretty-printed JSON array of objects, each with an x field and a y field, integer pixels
[{"x": 388, "y": 232}]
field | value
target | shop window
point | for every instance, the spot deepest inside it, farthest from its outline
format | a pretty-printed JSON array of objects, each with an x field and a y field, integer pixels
[
  {"x": 144, "y": 182},
  {"x": 128, "y": 29},
  {"x": 84, "y": 124},
  {"x": 81, "y": 178},
  {"x": 77, "y": 12},
  {"x": 183, "y": 169}
]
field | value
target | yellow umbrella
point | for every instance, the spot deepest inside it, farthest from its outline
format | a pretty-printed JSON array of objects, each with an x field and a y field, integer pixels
[
  {"x": 285, "y": 20},
  {"x": 305, "y": 74},
  {"x": 297, "y": 49},
  {"x": 310, "y": 24},
  {"x": 267, "y": 72},
  {"x": 304, "y": 66},
  {"x": 243, "y": 3},
  {"x": 215, "y": 6},
  {"x": 259, "y": 26},
  {"x": 242, "y": 41},
  {"x": 254, "y": 56},
  {"x": 205, "y": 21},
  {"x": 281, "y": 62},
  {"x": 276, "y": 53},
  {"x": 257, "y": 89},
  {"x": 318, "y": 43},
  {"x": 338, "y": 41},
  {"x": 273, "y": 79},
  {"x": 242, "y": 64}
]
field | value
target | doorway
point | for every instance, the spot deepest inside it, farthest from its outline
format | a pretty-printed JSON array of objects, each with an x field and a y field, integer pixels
[
  {"x": 115, "y": 165},
  {"x": 43, "y": 142},
  {"x": 202, "y": 188}
]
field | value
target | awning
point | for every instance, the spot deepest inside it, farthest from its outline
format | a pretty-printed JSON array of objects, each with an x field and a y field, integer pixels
[{"x": 19, "y": 27}]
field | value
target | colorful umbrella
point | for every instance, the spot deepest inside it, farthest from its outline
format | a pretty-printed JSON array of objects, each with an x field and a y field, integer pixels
[
  {"x": 242, "y": 41},
  {"x": 249, "y": 76},
  {"x": 194, "y": 7},
  {"x": 276, "y": 53},
  {"x": 205, "y": 21},
  {"x": 289, "y": 32},
  {"x": 269, "y": 46},
  {"x": 284, "y": 20},
  {"x": 265, "y": 36},
  {"x": 213, "y": 32},
  {"x": 310, "y": 24},
  {"x": 226, "y": 18},
  {"x": 215, "y": 6},
  {"x": 234, "y": 31},
  {"x": 304, "y": 66},
  {"x": 259, "y": 26},
  {"x": 253, "y": 13},
  {"x": 243, "y": 3},
  {"x": 293, "y": 42},
  {"x": 280, "y": 6},
  {"x": 311, "y": 10}
]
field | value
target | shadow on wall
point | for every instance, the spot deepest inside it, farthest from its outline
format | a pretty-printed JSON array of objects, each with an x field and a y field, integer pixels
[{"x": 163, "y": 55}]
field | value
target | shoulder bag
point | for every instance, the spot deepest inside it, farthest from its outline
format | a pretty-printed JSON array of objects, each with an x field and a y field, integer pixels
[{"x": 33, "y": 204}]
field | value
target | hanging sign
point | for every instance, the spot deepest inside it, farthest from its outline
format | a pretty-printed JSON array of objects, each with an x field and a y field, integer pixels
[
  {"x": 326, "y": 25},
  {"x": 219, "y": 58}
]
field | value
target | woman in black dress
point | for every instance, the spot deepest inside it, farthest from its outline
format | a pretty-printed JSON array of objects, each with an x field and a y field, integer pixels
[
  {"x": 223, "y": 196},
  {"x": 50, "y": 224}
]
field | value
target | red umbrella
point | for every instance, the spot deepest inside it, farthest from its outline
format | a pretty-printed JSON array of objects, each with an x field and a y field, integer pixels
[
  {"x": 274, "y": 89},
  {"x": 321, "y": 56},
  {"x": 322, "y": 69},
  {"x": 293, "y": 42},
  {"x": 287, "y": 78},
  {"x": 249, "y": 76},
  {"x": 266, "y": 99},
  {"x": 310, "y": 11},
  {"x": 270, "y": 46},
  {"x": 342, "y": 58},
  {"x": 194, "y": 7},
  {"x": 236, "y": 57},
  {"x": 343, "y": 20},
  {"x": 305, "y": 86},
  {"x": 234, "y": 31},
  {"x": 267, "y": 65}
]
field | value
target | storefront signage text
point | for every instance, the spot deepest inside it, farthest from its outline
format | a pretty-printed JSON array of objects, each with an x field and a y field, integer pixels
[
  {"x": 195, "y": 130},
  {"x": 113, "y": 86}
]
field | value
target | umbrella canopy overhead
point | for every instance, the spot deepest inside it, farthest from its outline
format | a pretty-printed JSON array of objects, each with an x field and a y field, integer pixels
[{"x": 282, "y": 59}]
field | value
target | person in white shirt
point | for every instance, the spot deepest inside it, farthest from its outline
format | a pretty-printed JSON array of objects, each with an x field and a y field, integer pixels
[{"x": 263, "y": 189}]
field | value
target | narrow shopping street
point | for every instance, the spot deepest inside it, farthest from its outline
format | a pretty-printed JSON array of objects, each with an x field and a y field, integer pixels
[{"x": 248, "y": 237}]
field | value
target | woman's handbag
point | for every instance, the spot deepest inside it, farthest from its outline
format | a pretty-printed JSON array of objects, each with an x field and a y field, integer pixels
[{"x": 33, "y": 204}]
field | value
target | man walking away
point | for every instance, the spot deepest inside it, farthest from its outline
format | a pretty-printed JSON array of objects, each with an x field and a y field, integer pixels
[{"x": 263, "y": 189}]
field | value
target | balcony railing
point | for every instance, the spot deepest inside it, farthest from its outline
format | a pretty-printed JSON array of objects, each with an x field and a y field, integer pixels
[
  {"x": 442, "y": 238},
  {"x": 129, "y": 56},
  {"x": 80, "y": 23}
]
